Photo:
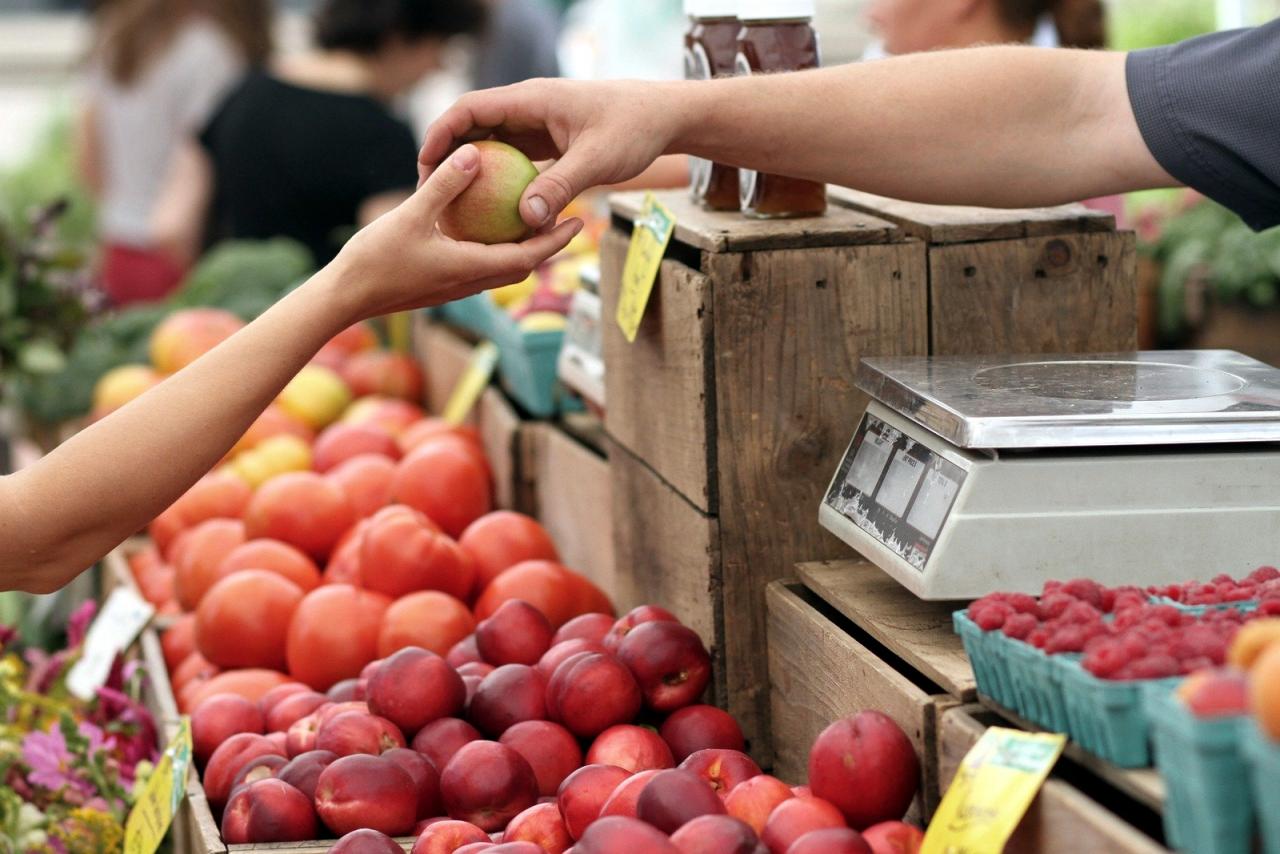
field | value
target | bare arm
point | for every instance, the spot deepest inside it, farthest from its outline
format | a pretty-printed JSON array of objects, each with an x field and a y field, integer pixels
[
  {"x": 995, "y": 126},
  {"x": 177, "y": 222},
  {"x": 63, "y": 513}
]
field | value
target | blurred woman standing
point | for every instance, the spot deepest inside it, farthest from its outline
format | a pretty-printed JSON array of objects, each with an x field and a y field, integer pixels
[{"x": 157, "y": 70}]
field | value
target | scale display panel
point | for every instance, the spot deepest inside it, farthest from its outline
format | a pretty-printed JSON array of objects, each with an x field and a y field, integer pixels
[{"x": 896, "y": 489}]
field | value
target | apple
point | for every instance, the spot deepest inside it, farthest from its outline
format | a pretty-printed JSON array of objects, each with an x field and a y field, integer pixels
[
  {"x": 303, "y": 771},
  {"x": 516, "y": 633},
  {"x": 268, "y": 810},
  {"x": 669, "y": 662},
  {"x": 583, "y": 794},
  {"x": 448, "y": 836},
  {"x": 591, "y": 692},
  {"x": 894, "y": 837},
  {"x": 366, "y": 791},
  {"x": 355, "y": 732},
  {"x": 543, "y": 825},
  {"x": 414, "y": 687},
  {"x": 675, "y": 797},
  {"x": 227, "y": 760},
  {"x": 562, "y": 652},
  {"x": 550, "y": 749},
  {"x": 624, "y": 798},
  {"x": 439, "y": 740},
  {"x": 717, "y": 834},
  {"x": 634, "y": 748},
  {"x": 426, "y": 779},
  {"x": 617, "y": 834},
  {"x": 722, "y": 770},
  {"x": 794, "y": 818},
  {"x": 488, "y": 210},
  {"x": 635, "y": 617},
  {"x": 220, "y": 717},
  {"x": 754, "y": 799},
  {"x": 588, "y": 627},
  {"x": 293, "y": 708},
  {"x": 511, "y": 694},
  {"x": 487, "y": 784},
  {"x": 866, "y": 766},
  {"x": 695, "y": 728}
]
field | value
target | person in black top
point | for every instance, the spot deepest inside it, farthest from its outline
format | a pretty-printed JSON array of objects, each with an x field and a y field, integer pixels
[{"x": 309, "y": 149}]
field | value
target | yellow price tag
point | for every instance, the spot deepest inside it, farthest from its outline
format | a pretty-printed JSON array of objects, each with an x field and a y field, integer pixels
[
  {"x": 484, "y": 358},
  {"x": 649, "y": 240},
  {"x": 156, "y": 806},
  {"x": 992, "y": 790}
]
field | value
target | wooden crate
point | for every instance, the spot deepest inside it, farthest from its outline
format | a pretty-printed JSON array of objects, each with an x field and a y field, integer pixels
[{"x": 823, "y": 669}]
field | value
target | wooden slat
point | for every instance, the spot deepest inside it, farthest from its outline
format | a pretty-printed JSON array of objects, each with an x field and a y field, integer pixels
[
  {"x": 1061, "y": 820},
  {"x": 917, "y": 631},
  {"x": 659, "y": 387},
  {"x": 572, "y": 499},
  {"x": 717, "y": 231},
  {"x": 958, "y": 224},
  {"x": 499, "y": 427},
  {"x": 790, "y": 327},
  {"x": 443, "y": 355},
  {"x": 821, "y": 674},
  {"x": 1067, "y": 294}
]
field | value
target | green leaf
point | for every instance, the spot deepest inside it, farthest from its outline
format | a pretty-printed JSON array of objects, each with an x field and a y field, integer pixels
[{"x": 41, "y": 357}]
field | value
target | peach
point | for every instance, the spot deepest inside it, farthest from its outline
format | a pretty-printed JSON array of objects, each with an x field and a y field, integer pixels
[
  {"x": 550, "y": 749},
  {"x": 624, "y": 798},
  {"x": 754, "y": 799},
  {"x": 562, "y": 652},
  {"x": 291, "y": 709},
  {"x": 722, "y": 770},
  {"x": 587, "y": 627},
  {"x": 476, "y": 848},
  {"x": 591, "y": 692},
  {"x": 635, "y": 617},
  {"x": 366, "y": 791},
  {"x": 634, "y": 748},
  {"x": 695, "y": 728},
  {"x": 426, "y": 779},
  {"x": 831, "y": 840},
  {"x": 893, "y": 837},
  {"x": 464, "y": 651},
  {"x": 866, "y": 766},
  {"x": 488, "y": 784},
  {"x": 259, "y": 768},
  {"x": 348, "y": 690},
  {"x": 353, "y": 732},
  {"x": 268, "y": 701},
  {"x": 446, "y": 837},
  {"x": 366, "y": 841},
  {"x": 509, "y": 695},
  {"x": 338, "y": 443},
  {"x": 794, "y": 818},
  {"x": 204, "y": 547},
  {"x": 281, "y": 742},
  {"x": 220, "y": 717},
  {"x": 717, "y": 834},
  {"x": 669, "y": 662},
  {"x": 618, "y": 833},
  {"x": 227, "y": 760},
  {"x": 440, "y": 740},
  {"x": 393, "y": 415},
  {"x": 268, "y": 811},
  {"x": 325, "y": 713},
  {"x": 1250, "y": 641},
  {"x": 542, "y": 825},
  {"x": 301, "y": 737},
  {"x": 517, "y": 633},
  {"x": 476, "y": 668},
  {"x": 303, "y": 771},
  {"x": 583, "y": 794},
  {"x": 488, "y": 210},
  {"x": 414, "y": 687},
  {"x": 675, "y": 797}
]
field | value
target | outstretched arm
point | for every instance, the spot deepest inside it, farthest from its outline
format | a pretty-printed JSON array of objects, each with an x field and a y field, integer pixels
[
  {"x": 995, "y": 126},
  {"x": 63, "y": 513}
]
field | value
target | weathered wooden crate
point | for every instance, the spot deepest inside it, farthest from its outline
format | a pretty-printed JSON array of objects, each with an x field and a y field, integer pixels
[{"x": 731, "y": 409}]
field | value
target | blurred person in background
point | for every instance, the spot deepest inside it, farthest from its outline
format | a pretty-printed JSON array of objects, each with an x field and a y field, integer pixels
[
  {"x": 911, "y": 26},
  {"x": 518, "y": 43},
  {"x": 309, "y": 148},
  {"x": 156, "y": 70}
]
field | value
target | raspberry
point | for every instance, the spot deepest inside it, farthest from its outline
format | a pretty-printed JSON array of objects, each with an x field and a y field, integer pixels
[
  {"x": 1024, "y": 604},
  {"x": 1081, "y": 613},
  {"x": 1054, "y": 604},
  {"x": 1050, "y": 587},
  {"x": 1167, "y": 614},
  {"x": 1269, "y": 608},
  {"x": 1155, "y": 666},
  {"x": 977, "y": 605},
  {"x": 992, "y": 616},
  {"x": 1134, "y": 646},
  {"x": 1128, "y": 600},
  {"x": 1240, "y": 594},
  {"x": 1068, "y": 638},
  {"x": 1191, "y": 665},
  {"x": 1086, "y": 589},
  {"x": 1019, "y": 626},
  {"x": 1105, "y": 660},
  {"x": 1200, "y": 641},
  {"x": 1264, "y": 573},
  {"x": 1039, "y": 637},
  {"x": 1222, "y": 578}
]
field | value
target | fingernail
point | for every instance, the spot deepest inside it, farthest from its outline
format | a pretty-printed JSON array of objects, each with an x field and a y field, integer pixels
[
  {"x": 538, "y": 207},
  {"x": 465, "y": 158}
]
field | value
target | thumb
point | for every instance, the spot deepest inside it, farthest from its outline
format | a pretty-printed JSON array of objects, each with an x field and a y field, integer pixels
[
  {"x": 445, "y": 183},
  {"x": 553, "y": 189}
]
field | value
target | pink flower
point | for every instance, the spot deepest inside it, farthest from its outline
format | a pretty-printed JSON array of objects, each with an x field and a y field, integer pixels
[
  {"x": 78, "y": 623},
  {"x": 7, "y": 635},
  {"x": 50, "y": 763}
]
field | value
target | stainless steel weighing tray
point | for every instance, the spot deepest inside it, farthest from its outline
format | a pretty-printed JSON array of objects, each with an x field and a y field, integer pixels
[{"x": 1174, "y": 397}]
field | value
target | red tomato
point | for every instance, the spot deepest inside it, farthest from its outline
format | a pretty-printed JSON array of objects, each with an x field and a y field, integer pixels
[
  {"x": 334, "y": 634},
  {"x": 445, "y": 482},
  {"x": 402, "y": 551},
  {"x": 202, "y": 550},
  {"x": 300, "y": 508},
  {"x": 544, "y": 584},
  {"x": 499, "y": 540},
  {"x": 272, "y": 555},
  {"x": 366, "y": 481},
  {"x": 430, "y": 619},
  {"x": 243, "y": 620}
]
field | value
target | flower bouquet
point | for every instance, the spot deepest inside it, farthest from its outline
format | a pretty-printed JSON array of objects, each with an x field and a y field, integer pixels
[{"x": 68, "y": 768}]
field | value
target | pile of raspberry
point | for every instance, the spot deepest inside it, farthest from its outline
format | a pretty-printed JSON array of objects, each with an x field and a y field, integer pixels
[
  {"x": 1121, "y": 632},
  {"x": 1263, "y": 585}
]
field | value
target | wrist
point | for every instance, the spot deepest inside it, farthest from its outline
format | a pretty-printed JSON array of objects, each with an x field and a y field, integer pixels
[
  {"x": 683, "y": 109},
  {"x": 334, "y": 296}
]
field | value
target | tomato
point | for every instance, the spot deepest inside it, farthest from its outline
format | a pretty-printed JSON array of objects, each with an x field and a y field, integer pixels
[
  {"x": 273, "y": 422},
  {"x": 382, "y": 372},
  {"x": 589, "y": 598},
  {"x": 366, "y": 481},
  {"x": 430, "y": 619},
  {"x": 445, "y": 482},
  {"x": 251, "y": 683},
  {"x": 402, "y": 551},
  {"x": 243, "y": 620},
  {"x": 502, "y": 539},
  {"x": 194, "y": 666},
  {"x": 199, "y": 553},
  {"x": 272, "y": 555},
  {"x": 156, "y": 583},
  {"x": 165, "y": 529},
  {"x": 418, "y": 433},
  {"x": 544, "y": 584},
  {"x": 179, "y": 640},
  {"x": 218, "y": 495},
  {"x": 334, "y": 634},
  {"x": 344, "y": 566},
  {"x": 341, "y": 442},
  {"x": 388, "y": 413},
  {"x": 341, "y": 347},
  {"x": 300, "y": 508}
]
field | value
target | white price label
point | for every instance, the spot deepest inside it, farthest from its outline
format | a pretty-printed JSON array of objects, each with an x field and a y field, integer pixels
[
  {"x": 115, "y": 627},
  {"x": 899, "y": 484},
  {"x": 869, "y": 463}
]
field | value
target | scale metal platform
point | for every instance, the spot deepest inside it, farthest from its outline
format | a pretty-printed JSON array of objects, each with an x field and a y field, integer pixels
[{"x": 973, "y": 474}]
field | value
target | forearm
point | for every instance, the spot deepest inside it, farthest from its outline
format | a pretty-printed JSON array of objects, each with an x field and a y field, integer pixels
[
  {"x": 997, "y": 126},
  {"x": 63, "y": 513}
]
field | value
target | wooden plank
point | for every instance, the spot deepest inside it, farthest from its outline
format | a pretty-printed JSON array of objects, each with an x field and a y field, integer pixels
[
  {"x": 960, "y": 224},
  {"x": 790, "y": 327},
  {"x": 666, "y": 551},
  {"x": 572, "y": 489},
  {"x": 666, "y": 370},
  {"x": 499, "y": 427},
  {"x": 719, "y": 231},
  {"x": 917, "y": 631},
  {"x": 820, "y": 674},
  {"x": 1061, "y": 820},
  {"x": 443, "y": 355},
  {"x": 1066, "y": 294}
]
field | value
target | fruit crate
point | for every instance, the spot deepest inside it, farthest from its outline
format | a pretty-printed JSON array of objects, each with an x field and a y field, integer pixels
[
  {"x": 736, "y": 400},
  {"x": 527, "y": 365},
  {"x": 1262, "y": 756},
  {"x": 470, "y": 313},
  {"x": 1209, "y": 810}
]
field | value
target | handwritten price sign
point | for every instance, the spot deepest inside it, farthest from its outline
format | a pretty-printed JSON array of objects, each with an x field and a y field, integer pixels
[{"x": 649, "y": 241}]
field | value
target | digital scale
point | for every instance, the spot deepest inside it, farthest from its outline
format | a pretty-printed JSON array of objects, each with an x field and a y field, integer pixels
[{"x": 969, "y": 475}]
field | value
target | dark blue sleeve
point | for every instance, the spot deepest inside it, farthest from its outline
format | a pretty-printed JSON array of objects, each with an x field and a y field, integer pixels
[{"x": 1209, "y": 110}]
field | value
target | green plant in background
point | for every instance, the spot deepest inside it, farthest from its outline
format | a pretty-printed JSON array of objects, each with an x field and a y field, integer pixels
[{"x": 1134, "y": 24}]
